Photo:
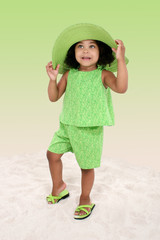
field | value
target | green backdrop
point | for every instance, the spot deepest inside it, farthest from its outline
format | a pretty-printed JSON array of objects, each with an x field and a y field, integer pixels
[{"x": 28, "y": 31}]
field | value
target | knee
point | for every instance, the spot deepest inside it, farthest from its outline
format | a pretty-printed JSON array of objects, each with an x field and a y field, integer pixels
[
  {"x": 86, "y": 171},
  {"x": 48, "y": 155},
  {"x": 52, "y": 157}
]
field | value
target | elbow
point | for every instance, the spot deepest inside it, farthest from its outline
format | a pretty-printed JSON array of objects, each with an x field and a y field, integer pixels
[
  {"x": 53, "y": 99},
  {"x": 123, "y": 90}
]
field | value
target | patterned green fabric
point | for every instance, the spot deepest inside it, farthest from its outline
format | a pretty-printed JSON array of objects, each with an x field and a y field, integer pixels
[
  {"x": 87, "y": 102},
  {"x": 85, "y": 142}
]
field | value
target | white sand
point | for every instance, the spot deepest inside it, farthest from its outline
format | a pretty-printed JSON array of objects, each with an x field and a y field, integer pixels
[{"x": 127, "y": 202}]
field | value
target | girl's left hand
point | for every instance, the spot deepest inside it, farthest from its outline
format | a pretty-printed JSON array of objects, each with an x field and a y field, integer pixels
[{"x": 120, "y": 51}]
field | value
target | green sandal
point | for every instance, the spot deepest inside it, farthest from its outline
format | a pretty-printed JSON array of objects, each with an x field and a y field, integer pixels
[
  {"x": 82, "y": 208},
  {"x": 64, "y": 194}
]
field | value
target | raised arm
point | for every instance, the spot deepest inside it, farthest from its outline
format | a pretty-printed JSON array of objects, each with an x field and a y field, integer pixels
[
  {"x": 55, "y": 91},
  {"x": 118, "y": 84}
]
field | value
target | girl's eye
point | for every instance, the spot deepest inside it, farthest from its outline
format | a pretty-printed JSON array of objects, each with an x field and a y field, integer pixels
[
  {"x": 92, "y": 46},
  {"x": 80, "y": 46}
]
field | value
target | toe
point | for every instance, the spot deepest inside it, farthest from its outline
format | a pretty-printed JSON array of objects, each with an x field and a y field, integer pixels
[
  {"x": 82, "y": 213},
  {"x": 76, "y": 213}
]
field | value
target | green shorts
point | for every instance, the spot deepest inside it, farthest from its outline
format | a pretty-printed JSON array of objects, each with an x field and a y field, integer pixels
[{"x": 85, "y": 142}]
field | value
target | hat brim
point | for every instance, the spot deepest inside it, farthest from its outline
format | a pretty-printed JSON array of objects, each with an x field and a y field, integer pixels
[{"x": 76, "y": 33}]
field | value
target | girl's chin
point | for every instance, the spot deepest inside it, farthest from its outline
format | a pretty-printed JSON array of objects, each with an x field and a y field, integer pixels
[{"x": 87, "y": 67}]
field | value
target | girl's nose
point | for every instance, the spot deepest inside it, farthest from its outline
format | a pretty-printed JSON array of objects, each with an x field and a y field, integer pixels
[{"x": 85, "y": 49}]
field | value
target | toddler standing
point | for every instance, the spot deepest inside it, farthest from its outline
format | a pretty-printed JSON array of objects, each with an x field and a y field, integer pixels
[{"x": 87, "y": 56}]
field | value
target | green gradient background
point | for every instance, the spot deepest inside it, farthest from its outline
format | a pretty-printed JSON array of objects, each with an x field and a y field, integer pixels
[{"x": 28, "y": 31}]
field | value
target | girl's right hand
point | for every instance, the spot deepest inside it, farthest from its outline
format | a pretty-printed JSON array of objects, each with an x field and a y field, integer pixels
[{"x": 52, "y": 73}]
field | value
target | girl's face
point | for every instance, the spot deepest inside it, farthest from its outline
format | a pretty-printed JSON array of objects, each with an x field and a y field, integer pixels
[{"x": 87, "y": 54}]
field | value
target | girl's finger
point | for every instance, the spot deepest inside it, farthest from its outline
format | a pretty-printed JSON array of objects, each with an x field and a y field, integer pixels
[
  {"x": 57, "y": 68},
  {"x": 119, "y": 42},
  {"x": 114, "y": 50},
  {"x": 48, "y": 64}
]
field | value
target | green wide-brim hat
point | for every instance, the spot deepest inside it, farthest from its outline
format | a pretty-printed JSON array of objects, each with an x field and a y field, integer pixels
[{"x": 76, "y": 33}]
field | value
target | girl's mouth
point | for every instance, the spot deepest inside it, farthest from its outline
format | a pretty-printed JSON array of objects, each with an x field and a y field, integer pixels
[{"x": 86, "y": 58}]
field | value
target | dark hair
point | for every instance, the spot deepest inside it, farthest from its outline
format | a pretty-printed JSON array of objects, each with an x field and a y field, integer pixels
[{"x": 105, "y": 55}]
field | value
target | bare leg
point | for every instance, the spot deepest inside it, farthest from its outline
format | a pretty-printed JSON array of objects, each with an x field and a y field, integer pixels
[
  {"x": 55, "y": 165},
  {"x": 86, "y": 185}
]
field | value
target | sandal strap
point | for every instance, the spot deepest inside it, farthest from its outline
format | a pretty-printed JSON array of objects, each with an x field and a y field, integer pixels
[
  {"x": 51, "y": 198},
  {"x": 82, "y": 208}
]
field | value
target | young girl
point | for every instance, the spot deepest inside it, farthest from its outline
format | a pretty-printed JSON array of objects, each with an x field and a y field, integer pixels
[{"x": 86, "y": 55}]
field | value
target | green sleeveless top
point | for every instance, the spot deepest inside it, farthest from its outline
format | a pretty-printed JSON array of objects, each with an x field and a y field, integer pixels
[{"x": 87, "y": 102}]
